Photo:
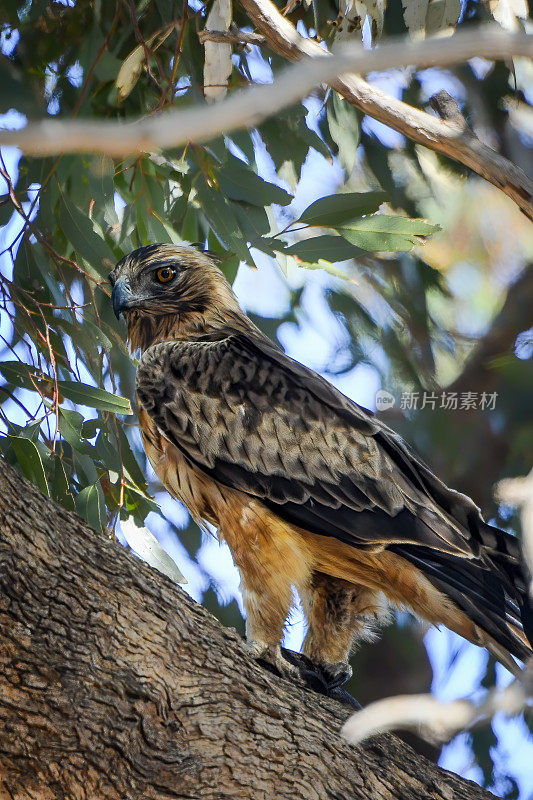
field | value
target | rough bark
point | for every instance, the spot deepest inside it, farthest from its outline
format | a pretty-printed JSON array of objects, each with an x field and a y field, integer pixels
[{"x": 114, "y": 684}]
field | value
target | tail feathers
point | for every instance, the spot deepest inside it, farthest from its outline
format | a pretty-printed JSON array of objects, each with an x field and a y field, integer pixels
[
  {"x": 507, "y": 555},
  {"x": 485, "y": 592}
]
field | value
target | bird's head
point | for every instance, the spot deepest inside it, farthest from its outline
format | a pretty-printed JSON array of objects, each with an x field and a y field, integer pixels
[{"x": 168, "y": 291}]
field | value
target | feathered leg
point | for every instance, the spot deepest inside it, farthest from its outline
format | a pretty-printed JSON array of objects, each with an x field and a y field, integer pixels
[
  {"x": 338, "y": 613},
  {"x": 271, "y": 559}
]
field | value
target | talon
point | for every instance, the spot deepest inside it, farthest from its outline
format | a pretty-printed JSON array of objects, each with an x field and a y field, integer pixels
[
  {"x": 254, "y": 648},
  {"x": 326, "y": 677},
  {"x": 271, "y": 656},
  {"x": 336, "y": 675}
]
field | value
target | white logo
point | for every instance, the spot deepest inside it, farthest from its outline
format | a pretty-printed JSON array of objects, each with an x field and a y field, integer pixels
[{"x": 384, "y": 400}]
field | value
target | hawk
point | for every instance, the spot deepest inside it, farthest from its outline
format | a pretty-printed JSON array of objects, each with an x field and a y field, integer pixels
[{"x": 309, "y": 490}]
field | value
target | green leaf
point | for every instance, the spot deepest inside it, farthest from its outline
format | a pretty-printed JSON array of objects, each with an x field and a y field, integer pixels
[
  {"x": 381, "y": 232},
  {"x": 107, "y": 453},
  {"x": 239, "y": 182},
  {"x": 254, "y": 224},
  {"x": 343, "y": 124},
  {"x": 30, "y": 462},
  {"x": 79, "y": 231},
  {"x": 139, "y": 503},
  {"x": 309, "y": 136},
  {"x": 328, "y": 248},
  {"x": 16, "y": 93},
  {"x": 335, "y": 209},
  {"x": 85, "y": 469},
  {"x": 189, "y": 227},
  {"x": 330, "y": 268},
  {"x": 60, "y": 489},
  {"x": 273, "y": 131},
  {"x": 6, "y": 209},
  {"x": 91, "y": 396},
  {"x": 18, "y": 374},
  {"x": 89, "y": 505},
  {"x": 129, "y": 462},
  {"x": 222, "y": 219},
  {"x": 70, "y": 424}
]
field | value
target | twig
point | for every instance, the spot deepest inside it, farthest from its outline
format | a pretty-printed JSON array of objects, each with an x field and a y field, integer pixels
[
  {"x": 99, "y": 55},
  {"x": 249, "y": 107},
  {"x": 233, "y": 36},
  {"x": 444, "y": 136},
  {"x": 438, "y": 721}
]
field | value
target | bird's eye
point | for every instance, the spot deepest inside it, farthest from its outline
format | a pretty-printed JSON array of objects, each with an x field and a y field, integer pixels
[{"x": 165, "y": 274}]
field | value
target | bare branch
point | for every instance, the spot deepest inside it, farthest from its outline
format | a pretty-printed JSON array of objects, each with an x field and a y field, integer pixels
[
  {"x": 233, "y": 36},
  {"x": 444, "y": 136},
  {"x": 438, "y": 721},
  {"x": 249, "y": 107},
  {"x": 447, "y": 108}
]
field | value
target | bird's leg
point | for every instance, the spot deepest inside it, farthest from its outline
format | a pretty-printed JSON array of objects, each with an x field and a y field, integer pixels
[
  {"x": 338, "y": 613},
  {"x": 271, "y": 559},
  {"x": 266, "y": 614}
]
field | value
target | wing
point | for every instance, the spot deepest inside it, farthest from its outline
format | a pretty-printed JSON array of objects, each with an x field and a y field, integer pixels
[{"x": 255, "y": 420}]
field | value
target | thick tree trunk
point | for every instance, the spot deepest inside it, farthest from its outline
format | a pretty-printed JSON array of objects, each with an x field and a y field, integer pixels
[{"x": 114, "y": 684}]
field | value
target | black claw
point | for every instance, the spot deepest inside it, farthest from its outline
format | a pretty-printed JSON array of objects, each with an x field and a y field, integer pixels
[
  {"x": 336, "y": 675},
  {"x": 325, "y": 680}
]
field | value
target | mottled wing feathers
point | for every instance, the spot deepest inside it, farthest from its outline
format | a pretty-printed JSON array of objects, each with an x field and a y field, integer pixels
[
  {"x": 263, "y": 424},
  {"x": 255, "y": 420}
]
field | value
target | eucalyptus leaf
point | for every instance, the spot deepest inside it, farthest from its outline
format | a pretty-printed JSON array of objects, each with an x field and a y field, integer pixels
[
  {"x": 145, "y": 545},
  {"x": 90, "y": 506},
  {"x": 239, "y": 182},
  {"x": 381, "y": 232},
  {"x": 59, "y": 486},
  {"x": 30, "y": 461},
  {"x": 336, "y": 209},
  {"x": 344, "y": 130},
  {"x": 93, "y": 397},
  {"x": 328, "y": 248},
  {"x": 80, "y": 232},
  {"x": 222, "y": 220},
  {"x": 19, "y": 374}
]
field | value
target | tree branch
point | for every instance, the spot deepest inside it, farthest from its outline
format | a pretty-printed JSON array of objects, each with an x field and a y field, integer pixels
[
  {"x": 249, "y": 107},
  {"x": 114, "y": 684},
  {"x": 233, "y": 36},
  {"x": 437, "y": 721},
  {"x": 449, "y": 137}
]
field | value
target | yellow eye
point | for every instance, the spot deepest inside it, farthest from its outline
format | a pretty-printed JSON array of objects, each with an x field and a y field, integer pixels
[{"x": 165, "y": 274}]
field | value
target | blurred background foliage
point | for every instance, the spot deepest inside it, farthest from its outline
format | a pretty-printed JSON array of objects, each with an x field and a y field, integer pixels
[{"x": 418, "y": 279}]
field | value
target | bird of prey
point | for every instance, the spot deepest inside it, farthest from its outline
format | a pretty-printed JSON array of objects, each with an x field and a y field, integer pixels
[{"x": 309, "y": 490}]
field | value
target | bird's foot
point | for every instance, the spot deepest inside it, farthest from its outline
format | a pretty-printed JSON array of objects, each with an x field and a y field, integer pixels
[
  {"x": 328, "y": 676},
  {"x": 272, "y": 657},
  {"x": 325, "y": 679}
]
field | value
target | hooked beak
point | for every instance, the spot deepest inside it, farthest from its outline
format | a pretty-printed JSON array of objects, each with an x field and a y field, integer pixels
[{"x": 121, "y": 297}]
